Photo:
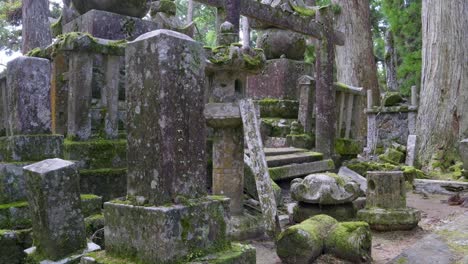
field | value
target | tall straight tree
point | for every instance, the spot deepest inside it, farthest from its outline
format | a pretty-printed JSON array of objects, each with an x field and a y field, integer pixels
[
  {"x": 36, "y": 27},
  {"x": 355, "y": 62},
  {"x": 443, "y": 113}
]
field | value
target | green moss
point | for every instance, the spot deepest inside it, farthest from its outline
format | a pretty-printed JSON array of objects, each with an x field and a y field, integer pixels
[
  {"x": 102, "y": 257},
  {"x": 304, "y": 11},
  {"x": 89, "y": 197},
  {"x": 57, "y": 27},
  {"x": 254, "y": 62},
  {"x": 350, "y": 240},
  {"x": 93, "y": 223},
  {"x": 344, "y": 146},
  {"x": 14, "y": 204},
  {"x": 392, "y": 99},
  {"x": 392, "y": 156},
  {"x": 98, "y": 153},
  {"x": 339, "y": 180},
  {"x": 38, "y": 53}
]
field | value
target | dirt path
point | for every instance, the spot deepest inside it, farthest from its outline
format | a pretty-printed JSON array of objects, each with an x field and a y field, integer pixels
[{"x": 386, "y": 246}]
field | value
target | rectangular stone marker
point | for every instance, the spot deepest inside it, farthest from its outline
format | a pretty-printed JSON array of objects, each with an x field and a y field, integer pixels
[
  {"x": 53, "y": 187},
  {"x": 411, "y": 150},
  {"x": 28, "y": 96},
  {"x": 166, "y": 126},
  {"x": 464, "y": 153}
]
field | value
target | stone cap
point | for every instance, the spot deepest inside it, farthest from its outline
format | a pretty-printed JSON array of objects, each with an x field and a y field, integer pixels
[
  {"x": 48, "y": 165},
  {"x": 340, "y": 87},
  {"x": 219, "y": 115},
  {"x": 235, "y": 58}
]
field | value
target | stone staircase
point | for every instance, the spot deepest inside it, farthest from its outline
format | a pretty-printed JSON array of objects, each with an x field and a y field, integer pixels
[{"x": 289, "y": 163}]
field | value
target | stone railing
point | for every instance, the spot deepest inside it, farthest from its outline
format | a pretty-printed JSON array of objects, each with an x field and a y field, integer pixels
[{"x": 347, "y": 103}]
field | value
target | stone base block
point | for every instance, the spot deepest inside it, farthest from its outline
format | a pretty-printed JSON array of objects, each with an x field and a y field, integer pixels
[
  {"x": 166, "y": 234},
  {"x": 236, "y": 254},
  {"x": 249, "y": 225},
  {"x": 12, "y": 185},
  {"x": 102, "y": 24},
  {"x": 109, "y": 183},
  {"x": 30, "y": 147},
  {"x": 304, "y": 141},
  {"x": 97, "y": 154},
  {"x": 341, "y": 212},
  {"x": 12, "y": 244},
  {"x": 90, "y": 204},
  {"x": 33, "y": 258},
  {"x": 278, "y": 79},
  {"x": 390, "y": 219}
]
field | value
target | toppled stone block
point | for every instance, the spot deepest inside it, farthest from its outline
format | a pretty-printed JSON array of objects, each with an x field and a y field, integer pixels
[
  {"x": 305, "y": 242},
  {"x": 390, "y": 219},
  {"x": 324, "y": 189},
  {"x": 168, "y": 233},
  {"x": 351, "y": 175},
  {"x": 55, "y": 205},
  {"x": 30, "y": 147}
]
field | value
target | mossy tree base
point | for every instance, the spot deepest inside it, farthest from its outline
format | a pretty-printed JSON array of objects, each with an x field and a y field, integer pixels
[
  {"x": 390, "y": 219},
  {"x": 166, "y": 234}
]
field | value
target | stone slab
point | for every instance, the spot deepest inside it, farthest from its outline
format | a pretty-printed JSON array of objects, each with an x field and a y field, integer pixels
[
  {"x": 30, "y": 147},
  {"x": 106, "y": 25},
  {"x": 55, "y": 205},
  {"x": 219, "y": 115},
  {"x": 28, "y": 96},
  {"x": 167, "y": 233},
  {"x": 301, "y": 157},
  {"x": 166, "y": 132},
  {"x": 439, "y": 187},
  {"x": 298, "y": 170},
  {"x": 278, "y": 80},
  {"x": 354, "y": 176},
  {"x": 390, "y": 219},
  {"x": 448, "y": 244}
]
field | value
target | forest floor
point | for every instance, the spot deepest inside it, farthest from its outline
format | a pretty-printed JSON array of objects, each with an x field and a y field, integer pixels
[{"x": 386, "y": 245}]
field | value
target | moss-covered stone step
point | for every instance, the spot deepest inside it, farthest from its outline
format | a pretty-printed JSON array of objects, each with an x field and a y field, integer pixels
[
  {"x": 12, "y": 244},
  {"x": 270, "y": 107},
  {"x": 282, "y": 151},
  {"x": 301, "y": 157},
  {"x": 17, "y": 216},
  {"x": 97, "y": 153},
  {"x": 292, "y": 171},
  {"x": 109, "y": 183},
  {"x": 276, "y": 127}
]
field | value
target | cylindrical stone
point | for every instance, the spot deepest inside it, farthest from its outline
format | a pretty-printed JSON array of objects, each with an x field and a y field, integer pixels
[
  {"x": 386, "y": 189},
  {"x": 165, "y": 121},
  {"x": 53, "y": 190},
  {"x": 28, "y": 96}
]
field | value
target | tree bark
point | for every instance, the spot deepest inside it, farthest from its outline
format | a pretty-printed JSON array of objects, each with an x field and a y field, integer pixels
[
  {"x": 355, "y": 60},
  {"x": 36, "y": 27},
  {"x": 443, "y": 113},
  {"x": 390, "y": 62}
]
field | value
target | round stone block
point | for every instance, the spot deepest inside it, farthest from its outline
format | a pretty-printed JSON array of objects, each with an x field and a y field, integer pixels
[
  {"x": 134, "y": 8},
  {"x": 341, "y": 212},
  {"x": 390, "y": 219},
  {"x": 277, "y": 42}
]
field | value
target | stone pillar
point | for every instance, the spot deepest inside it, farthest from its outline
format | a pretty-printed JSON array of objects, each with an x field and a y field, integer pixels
[
  {"x": 54, "y": 200},
  {"x": 464, "y": 155},
  {"x": 166, "y": 128},
  {"x": 28, "y": 96},
  {"x": 111, "y": 95},
  {"x": 411, "y": 150},
  {"x": 59, "y": 94},
  {"x": 325, "y": 120},
  {"x": 386, "y": 202},
  {"x": 80, "y": 77},
  {"x": 306, "y": 103},
  {"x": 228, "y": 166}
]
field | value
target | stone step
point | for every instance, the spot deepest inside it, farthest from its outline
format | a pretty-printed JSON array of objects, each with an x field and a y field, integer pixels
[
  {"x": 300, "y": 157},
  {"x": 282, "y": 151},
  {"x": 292, "y": 171}
]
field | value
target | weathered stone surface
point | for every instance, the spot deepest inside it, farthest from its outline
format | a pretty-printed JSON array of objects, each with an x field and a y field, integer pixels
[
  {"x": 324, "y": 189},
  {"x": 341, "y": 212},
  {"x": 306, "y": 86},
  {"x": 97, "y": 154},
  {"x": 271, "y": 107},
  {"x": 351, "y": 175},
  {"x": 392, "y": 156},
  {"x": 30, "y": 147},
  {"x": 301, "y": 141},
  {"x": 28, "y": 96},
  {"x": 228, "y": 166},
  {"x": 53, "y": 195},
  {"x": 439, "y": 187},
  {"x": 388, "y": 126},
  {"x": 166, "y": 80},
  {"x": 166, "y": 234},
  {"x": 15, "y": 216},
  {"x": 298, "y": 170},
  {"x": 250, "y": 186},
  {"x": 223, "y": 115},
  {"x": 411, "y": 150},
  {"x": 464, "y": 153},
  {"x": 278, "y": 80},
  {"x": 351, "y": 241},
  {"x": 108, "y": 25},
  {"x": 248, "y": 225},
  {"x": 300, "y": 157},
  {"x": 135, "y": 8},
  {"x": 12, "y": 244},
  {"x": 108, "y": 182},
  {"x": 90, "y": 204},
  {"x": 386, "y": 189},
  {"x": 391, "y": 99},
  {"x": 3, "y": 113},
  {"x": 276, "y": 42},
  {"x": 12, "y": 185},
  {"x": 390, "y": 219}
]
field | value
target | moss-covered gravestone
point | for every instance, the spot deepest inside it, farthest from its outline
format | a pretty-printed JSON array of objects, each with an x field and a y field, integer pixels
[
  {"x": 55, "y": 205},
  {"x": 167, "y": 217},
  {"x": 386, "y": 202}
]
